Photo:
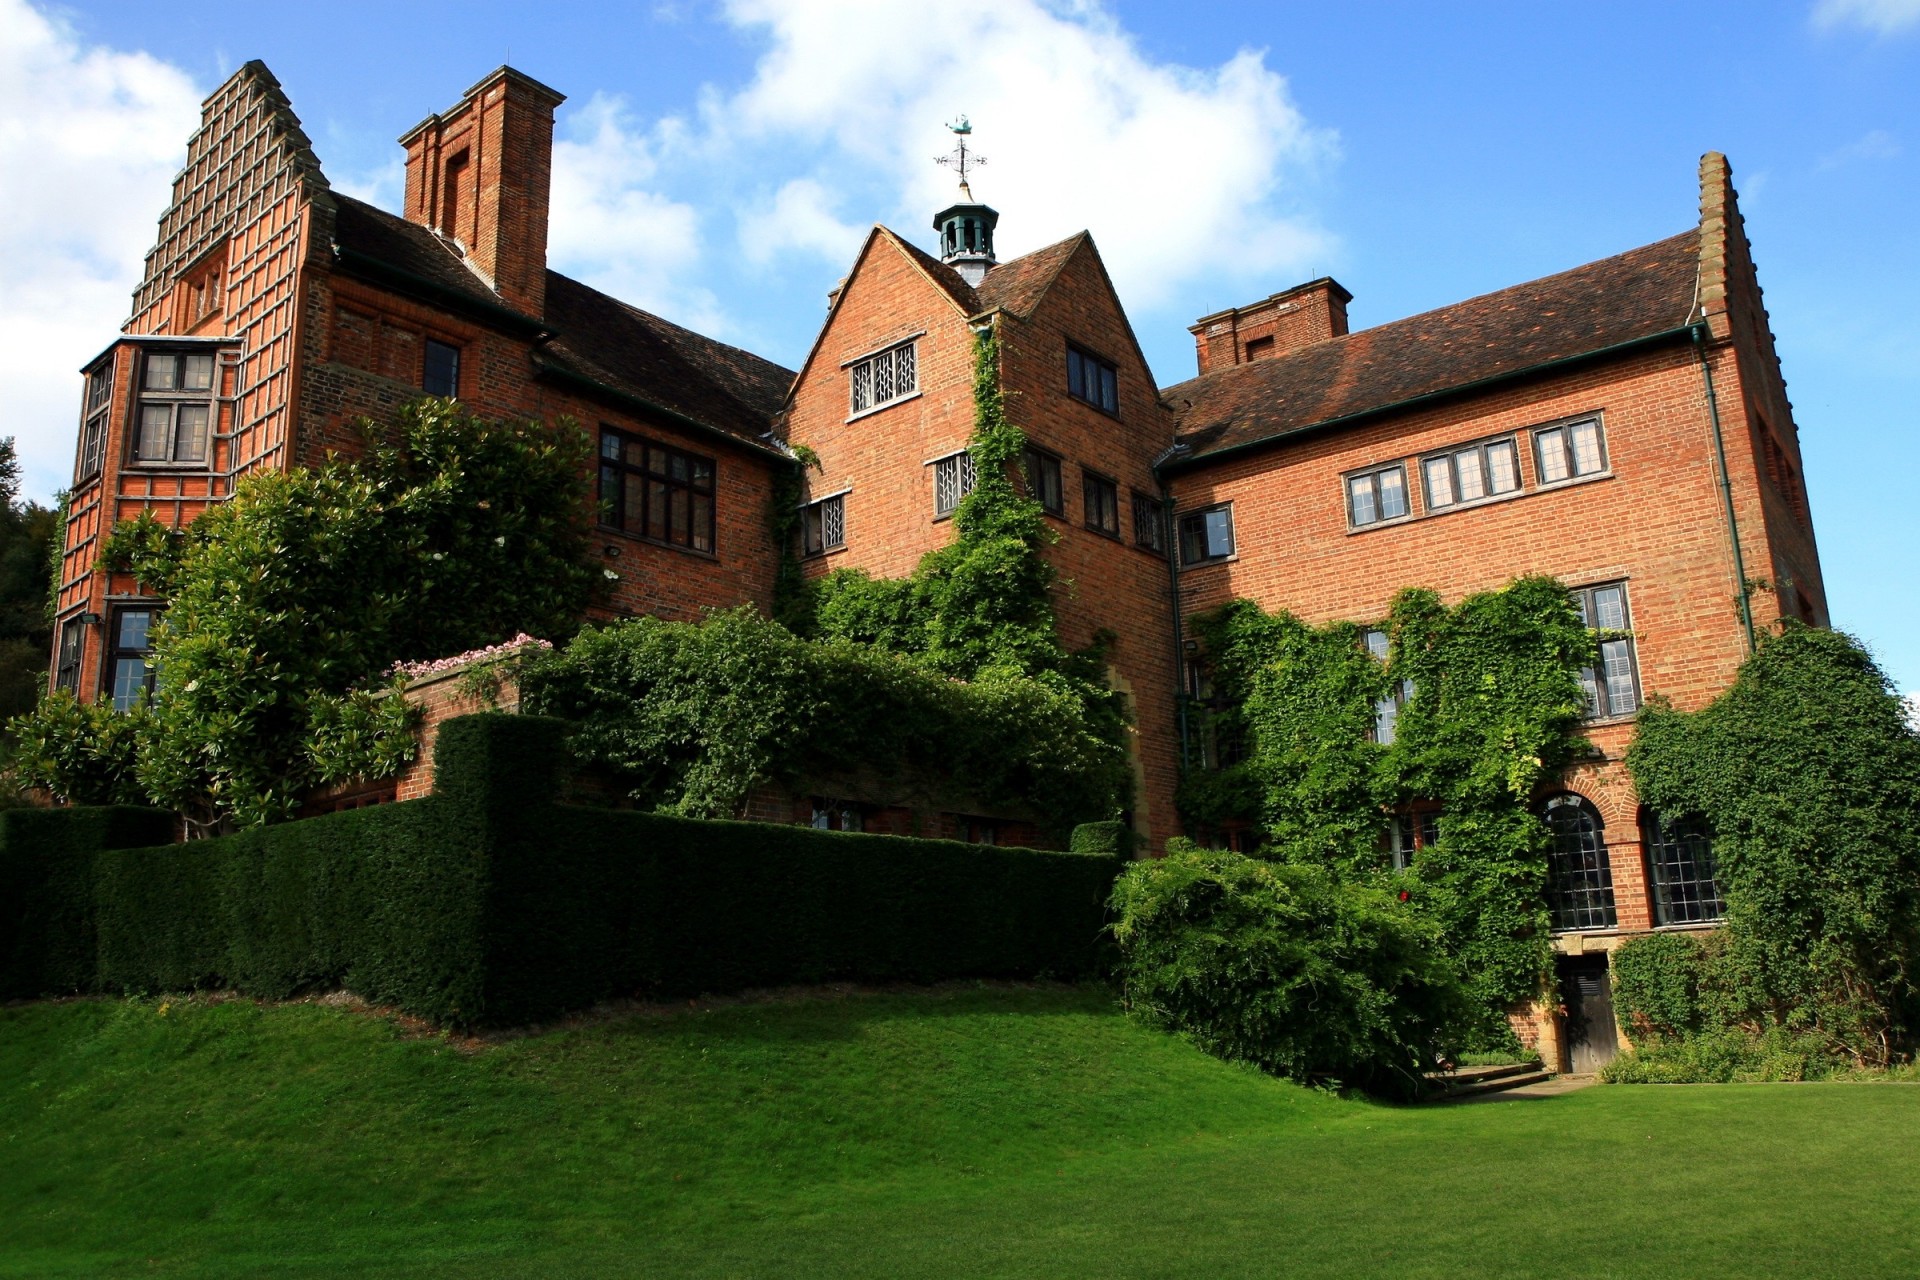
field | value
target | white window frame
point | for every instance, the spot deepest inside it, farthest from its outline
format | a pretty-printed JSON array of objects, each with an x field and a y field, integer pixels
[
  {"x": 1442, "y": 473},
  {"x": 1375, "y": 490},
  {"x": 953, "y": 479},
  {"x": 1556, "y": 449},
  {"x": 896, "y": 371}
]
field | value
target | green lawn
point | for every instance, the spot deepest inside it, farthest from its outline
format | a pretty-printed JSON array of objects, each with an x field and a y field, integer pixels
[{"x": 957, "y": 1132}]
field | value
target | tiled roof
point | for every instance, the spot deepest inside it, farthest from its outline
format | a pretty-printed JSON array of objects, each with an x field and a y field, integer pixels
[
  {"x": 942, "y": 274},
  {"x": 638, "y": 353},
  {"x": 595, "y": 337},
  {"x": 1635, "y": 295},
  {"x": 1016, "y": 286}
]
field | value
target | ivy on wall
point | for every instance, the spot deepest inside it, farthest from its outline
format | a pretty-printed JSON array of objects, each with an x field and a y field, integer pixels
[{"x": 1494, "y": 711}]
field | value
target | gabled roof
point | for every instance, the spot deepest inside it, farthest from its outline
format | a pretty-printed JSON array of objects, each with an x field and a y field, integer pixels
[
  {"x": 594, "y": 338},
  {"x": 1017, "y": 286},
  {"x": 940, "y": 273},
  {"x": 1635, "y": 296}
]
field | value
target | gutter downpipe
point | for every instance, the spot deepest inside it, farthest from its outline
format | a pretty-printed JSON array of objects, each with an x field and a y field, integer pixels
[
  {"x": 1169, "y": 527},
  {"x": 1726, "y": 486}
]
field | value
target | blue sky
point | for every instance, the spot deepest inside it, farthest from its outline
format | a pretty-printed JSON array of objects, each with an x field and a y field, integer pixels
[{"x": 718, "y": 162}]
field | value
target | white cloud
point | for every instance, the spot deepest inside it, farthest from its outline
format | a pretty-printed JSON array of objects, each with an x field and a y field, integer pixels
[
  {"x": 610, "y": 228},
  {"x": 1875, "y": 144},
  {"x": 90, "y": 139},
  {"x": 1913, "y": 711},
  {"x": 1180, "y": 172},
  {"x": 1887, "y": 17},
  {"x": 799, "y": 218}
]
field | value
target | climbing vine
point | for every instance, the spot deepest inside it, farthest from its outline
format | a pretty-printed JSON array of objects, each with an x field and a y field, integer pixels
[{"x": 1488, "y": 700}]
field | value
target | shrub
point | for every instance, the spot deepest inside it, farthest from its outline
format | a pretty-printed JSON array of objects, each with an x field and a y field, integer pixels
[
  {"x": 1656, "y": 984},
  {"x": 1287, "y": 968},
  {"x": 1724, "y": 1056}
]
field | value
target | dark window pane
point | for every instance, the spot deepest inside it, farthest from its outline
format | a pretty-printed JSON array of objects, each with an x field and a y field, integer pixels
[
  {"x": 657, "y": 509},
  {"x": 612, "y": 508},
  {"x": 1580, "y": 877},
  {"x": 610, "y": 446},
  {"x": 702, "y": 522},
  {"x": 441, "y": 373},
  {"x": 133, "y": 628},
  {"x": 679, "y": 528}
]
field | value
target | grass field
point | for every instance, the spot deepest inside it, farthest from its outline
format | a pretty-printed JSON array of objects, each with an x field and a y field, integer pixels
[{"x": 978, "y": 1131}]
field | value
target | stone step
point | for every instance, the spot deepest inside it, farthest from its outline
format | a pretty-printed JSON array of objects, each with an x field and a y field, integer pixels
[
  {"x": 1474, "y": 1075},
  {"x": 1498, "y": 1084}
]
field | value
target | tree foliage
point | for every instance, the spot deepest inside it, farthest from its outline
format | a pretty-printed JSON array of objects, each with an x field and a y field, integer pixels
[
  {"x": 29, "y": 559},
  {"x": 1494, "y": 710},
  {"x": 1292, "y": 968},
  {"x": 286, "y": 603},
  {"x": 1808, "y": 774}
]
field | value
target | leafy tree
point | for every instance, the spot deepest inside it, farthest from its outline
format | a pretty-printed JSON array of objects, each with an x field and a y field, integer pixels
[
  {"x": 27, "y": 542},
  {"x": 287, "y": 602}
]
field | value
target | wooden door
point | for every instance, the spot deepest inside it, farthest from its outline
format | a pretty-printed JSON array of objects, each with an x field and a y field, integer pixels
[{"x": 1592, "y": 1038}]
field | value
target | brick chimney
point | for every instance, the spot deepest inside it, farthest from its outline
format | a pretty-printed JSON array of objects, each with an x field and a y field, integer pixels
[
  {"x": 1286, "y": 321},
  {"x": 479, "y": 173}
]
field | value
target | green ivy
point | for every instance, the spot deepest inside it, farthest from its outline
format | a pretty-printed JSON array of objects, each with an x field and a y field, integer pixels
[
  {"x": 1808, "y": 774},
  {"x": 1495, "y": 712}
]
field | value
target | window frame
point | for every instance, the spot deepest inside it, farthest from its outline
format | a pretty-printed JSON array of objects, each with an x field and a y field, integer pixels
[
  {"x": 814, "y": 517},
  {"x": 428, "y": 343},
  {"x": 1199, "y": 513},
  {"x": 1040, "y": 465},
  {"x": 70, "y": 658},
  {"x": 894, "y": 358},
  {"x": 1150, "y": 533},
  {"x": 643, "y": 476},
  {"x": 96, "y": 413},
  {"x": 1693, "y": 898},
  {"x": 1386, "y": 711},
  {"x": 1106, "y": 373},
  {"x": 966, "y": 476},
  {"x": 1410, "y": 830},
  {"x": 1100, "y": 495},
  {"x": 1373, "y": 474},
  {"x": 1451, "y": 456},
  {"x": 174, "y": 399},
  {"x": 1600, "y": 696},
  {"x": 1564, "y": 427},
  {"x": 1580, "y": 898},
  {"x": 115, "y": 652}
]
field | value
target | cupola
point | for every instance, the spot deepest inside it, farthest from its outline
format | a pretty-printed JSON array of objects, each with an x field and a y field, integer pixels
[{"x": 966, "y": 229}]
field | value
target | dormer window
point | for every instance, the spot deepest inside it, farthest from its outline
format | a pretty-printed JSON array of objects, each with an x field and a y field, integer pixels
[
  {"x": 93, "y": 420},
  {"x": 879, "y": 380},
  {"x": 176, "y": 408}
]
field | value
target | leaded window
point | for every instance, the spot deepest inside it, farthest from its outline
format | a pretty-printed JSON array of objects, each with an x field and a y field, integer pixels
[
  {"x": 1471, "y": 474},
  {"x": 654, "y": 492},
  {"x": 1093, "y": 380},
  {"x": 883, "y": 378},
  {"x": 73, "y": 650},
  {"x": 823, "y": 525},
  {"x": 1408, "y": 832},
  {"x": 1613, "y": 687},
  {"x": 1579, "y": 875},
  {"x": 836, "y": 815},
  {"x": 1570, "y": 450},
  {"x": 953, "y": 479},
  {"x": 1680, "y": 857},
  {"x": 176, "y": 407},
  {"x": 1101, "y": 498},
  {"x": 130, "y": 669},
  {"x": 1380, "y": 494},
  {"x": 1206, "y": 535},
  {"x": 1043, "y": 480},
  {"x": 93, "y": 420},
  {"x": 1149, "y": 526},
  {"x": 1387, "y": 709}
]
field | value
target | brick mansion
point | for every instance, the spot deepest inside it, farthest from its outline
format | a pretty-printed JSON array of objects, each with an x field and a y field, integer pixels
[{"x": 1622, "y": 426}]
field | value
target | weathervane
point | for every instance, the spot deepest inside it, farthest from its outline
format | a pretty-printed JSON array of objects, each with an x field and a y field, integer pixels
[{"x": 961, "y": 158}]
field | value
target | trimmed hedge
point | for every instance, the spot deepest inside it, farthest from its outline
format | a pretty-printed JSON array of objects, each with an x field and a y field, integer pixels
[{"x": 489, "y": 903}]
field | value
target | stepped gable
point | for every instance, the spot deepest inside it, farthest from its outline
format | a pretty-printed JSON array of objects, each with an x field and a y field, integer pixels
[
  {"x": 1640, "y": 294},
  {"x": 1017, "y": 286},
  {"x": 247, "y": 156},
  {"x": 639, "y": 354}
]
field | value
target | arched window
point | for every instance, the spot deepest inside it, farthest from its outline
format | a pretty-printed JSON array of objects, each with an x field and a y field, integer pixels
[
  {"x": 1579, "y": 877},
  {"x": 1680, "y": 860}
]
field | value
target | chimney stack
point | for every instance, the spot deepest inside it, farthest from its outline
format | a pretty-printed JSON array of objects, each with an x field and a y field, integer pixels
[
  {"x": 480, "y": 174},
  {"x": 1285, "y": 321}
]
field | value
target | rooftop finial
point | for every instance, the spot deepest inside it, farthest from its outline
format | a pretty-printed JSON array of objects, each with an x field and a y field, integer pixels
[{"x": 962, "y": 158}]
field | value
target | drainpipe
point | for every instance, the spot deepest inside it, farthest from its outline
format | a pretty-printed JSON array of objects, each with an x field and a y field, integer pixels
[
  {"x": 1726, "y": 487},
  {"x": 1169, "y": 528}
]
